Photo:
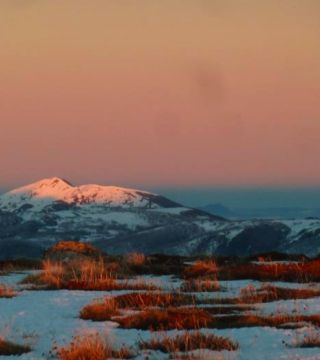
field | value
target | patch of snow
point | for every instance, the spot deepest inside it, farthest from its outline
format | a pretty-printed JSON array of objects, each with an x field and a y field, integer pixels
[
  {"x": 45, "y": 318},
  {"x": 296, "y": 226}
]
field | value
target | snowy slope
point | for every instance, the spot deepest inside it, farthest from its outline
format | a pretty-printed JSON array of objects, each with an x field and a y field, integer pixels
[
  {"x": 47, "y": 191},
  {"x": 36, "y": 215},
  {"x": 119, "y": 220}
]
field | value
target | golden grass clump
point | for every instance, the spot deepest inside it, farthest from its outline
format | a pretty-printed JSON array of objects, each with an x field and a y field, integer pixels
[
  {"x": 200, "y": 285},
  {"x": 7, "y": 291},
  {"x": 268, "y": 293},
  {"x": 307, "y": 271},
  {"x": 52, "y": 274},
  {"x": 92, "y": 347},
  {"x": 110, "y": 307},
  {"x": 75, "y": 247},
  {"x": 89, "y": 275},
  {"x": 101, "y": 311},
  {"x": 279, "y": 321},
  {"x": 86, "y": 274},
  {"x": 189, "y": 341},
  {"x": 135, "y": 259},
  {"x": 166, "y": 319},
  {"x": 249, "y": 294},
  {"x": 152, "y": 299},
  {"x": 201, "y": 269},
  {"x": 196, "y": 318}
]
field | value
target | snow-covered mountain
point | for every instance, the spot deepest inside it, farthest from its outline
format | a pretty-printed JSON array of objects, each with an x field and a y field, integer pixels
[
  {"x": 120, "y": 220},
  {"x": 49, "y": 191}
]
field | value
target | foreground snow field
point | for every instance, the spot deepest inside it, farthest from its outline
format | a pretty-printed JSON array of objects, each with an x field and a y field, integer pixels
[{"x": 43, "y": 319}]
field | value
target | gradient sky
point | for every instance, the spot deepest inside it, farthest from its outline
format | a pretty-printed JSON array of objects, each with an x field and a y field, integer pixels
[{"x": 160, "y": 92}]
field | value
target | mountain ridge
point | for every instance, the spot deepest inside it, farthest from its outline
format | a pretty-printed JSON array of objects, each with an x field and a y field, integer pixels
[
  {"x": 120, "y": 220},
  {"x": 46, "y": 191}
]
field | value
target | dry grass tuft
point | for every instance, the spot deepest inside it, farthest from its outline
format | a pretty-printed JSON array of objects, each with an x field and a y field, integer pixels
[
  {"x": 84, "y": 275},
  {"x": 135, "y": 259},
  {"x": 196, "y": 318},
  {"x": 250, "y": 294},
  {"x": 8, "y": 348},
  {"x": 102, "y": 311},
  {"x": 199, "y": 285},
  {"x": 268, "y": 293},
  {"x": 109, "y": 284},
  {"x": 110, "y": 307},
  {"x": 92, "y": 347},
  {"x": 229, "y": 309},
  {"x": 7, "y": 292},
  {"x": 153, "y": 299},
  {"x": 171, "y": 318},
  {"x": 201, "y": 269},
  {"x": 52, "y": 274},
  {"x": 279, "y": 321},
  {"x": 308, "y": 271},
  {"x": 189, "y": 341},
  {"x": 75, "y": 247}
]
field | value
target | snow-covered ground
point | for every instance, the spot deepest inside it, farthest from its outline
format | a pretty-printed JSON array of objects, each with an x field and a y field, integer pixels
[{"x": 43, "y": 319}]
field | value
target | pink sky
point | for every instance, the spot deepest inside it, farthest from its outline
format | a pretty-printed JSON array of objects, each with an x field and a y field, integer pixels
[{"x": 160, "y": 92}]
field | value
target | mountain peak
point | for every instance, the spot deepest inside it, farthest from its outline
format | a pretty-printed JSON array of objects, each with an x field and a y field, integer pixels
[
  {"x": 53, "y": 181},
  {"x": 50, "y": 190},
  {"x": 41, "y": 188}
]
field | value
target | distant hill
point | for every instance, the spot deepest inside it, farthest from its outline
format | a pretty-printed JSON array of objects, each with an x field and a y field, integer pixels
[
  {"x": 275, "y": 213},
  {"x": 119, "y": 220},
  {"x": 219, "y": 209}
]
